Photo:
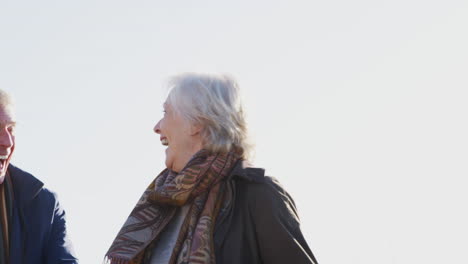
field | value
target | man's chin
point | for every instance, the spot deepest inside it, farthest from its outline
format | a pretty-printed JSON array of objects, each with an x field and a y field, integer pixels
[
  {"x": 3, "y": 172},
  {"x": 3, "y": 167}
]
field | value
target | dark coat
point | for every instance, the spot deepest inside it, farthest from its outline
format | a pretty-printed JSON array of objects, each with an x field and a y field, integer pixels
[
  {"x": 38, "y": 233},
  {"x": 262, "y": 224}
]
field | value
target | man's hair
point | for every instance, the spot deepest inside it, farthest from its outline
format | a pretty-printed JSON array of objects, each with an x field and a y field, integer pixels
[
  {"x": 214, "y": 102},
  {"x": 5, "y": 99}
]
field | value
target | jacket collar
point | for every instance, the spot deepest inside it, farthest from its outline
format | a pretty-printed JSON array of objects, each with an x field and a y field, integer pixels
[
  {"x": 244, "y": 170},
  {"x": 25, "y": 186}
]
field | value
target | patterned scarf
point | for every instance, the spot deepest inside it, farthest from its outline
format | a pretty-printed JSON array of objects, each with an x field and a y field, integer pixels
[{"x": 200, "y": 185}]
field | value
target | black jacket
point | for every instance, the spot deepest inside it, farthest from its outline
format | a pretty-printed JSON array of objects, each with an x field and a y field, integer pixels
[
  {"x": 261, "y": 225},
  {"x": 38, "y": 230}
]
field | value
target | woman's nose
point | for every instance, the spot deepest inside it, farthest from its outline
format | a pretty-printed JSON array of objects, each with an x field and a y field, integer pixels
[{"x": 157, "y": 128}]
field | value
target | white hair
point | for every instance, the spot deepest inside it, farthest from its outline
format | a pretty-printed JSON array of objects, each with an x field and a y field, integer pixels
[
  {"x": 214, "y": 102},
  {"x": 6, "y": 101}
]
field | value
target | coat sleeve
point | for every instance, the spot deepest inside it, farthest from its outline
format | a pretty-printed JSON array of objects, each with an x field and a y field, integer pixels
[
  {"x": 278, "y": 233},
  {"x": 59, "y": 249}
]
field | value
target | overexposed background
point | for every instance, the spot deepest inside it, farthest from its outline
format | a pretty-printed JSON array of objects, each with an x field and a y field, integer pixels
[{"x": 358, "y": 107}]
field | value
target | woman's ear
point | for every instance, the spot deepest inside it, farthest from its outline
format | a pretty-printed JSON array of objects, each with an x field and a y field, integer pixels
[{"x": 195, "y": 129}]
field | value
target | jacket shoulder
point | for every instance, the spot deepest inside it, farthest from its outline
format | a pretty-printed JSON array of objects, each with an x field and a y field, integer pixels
[
  {"x": 47, "y": 196},
  {"x": 22, "y": 177},
  {"x": 264, "y": 194},
  {"x": 268, "y": 198},
  {"x": 25, "y": 186}
]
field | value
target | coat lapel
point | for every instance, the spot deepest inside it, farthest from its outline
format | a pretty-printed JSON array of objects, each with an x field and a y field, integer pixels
[{"x": 25, "y": 189}]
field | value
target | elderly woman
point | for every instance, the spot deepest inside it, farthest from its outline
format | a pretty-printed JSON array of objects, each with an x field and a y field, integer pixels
[{"x": 209, "y": 205}]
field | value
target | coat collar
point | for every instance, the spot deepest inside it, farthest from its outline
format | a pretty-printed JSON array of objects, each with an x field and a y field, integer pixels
[
  {"x": 25, "y": 186},
  {"x": 244, "y": 170}
]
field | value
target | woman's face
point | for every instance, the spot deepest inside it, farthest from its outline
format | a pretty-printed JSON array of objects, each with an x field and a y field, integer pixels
[{"x": 181, "y": 138}]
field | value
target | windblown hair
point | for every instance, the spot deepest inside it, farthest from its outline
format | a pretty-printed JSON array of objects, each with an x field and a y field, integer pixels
[{"x": 213, "y": 102}]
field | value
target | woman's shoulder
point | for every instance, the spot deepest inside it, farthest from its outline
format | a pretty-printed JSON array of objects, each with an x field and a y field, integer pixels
[
  {"x": 255, "y": 179},
  {"x": 266, "y": 198},
  {"x": 266, "y": 187}
]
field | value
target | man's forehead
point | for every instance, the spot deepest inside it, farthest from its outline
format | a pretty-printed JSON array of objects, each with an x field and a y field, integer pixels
[{"x": 7, "y": 114}]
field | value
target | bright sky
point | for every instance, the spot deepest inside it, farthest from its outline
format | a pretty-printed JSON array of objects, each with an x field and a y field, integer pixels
[{"x": 358, "y": 107}]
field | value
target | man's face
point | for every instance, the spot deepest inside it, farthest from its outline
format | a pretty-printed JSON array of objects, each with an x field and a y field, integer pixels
[{"x": 7, "y": 138}]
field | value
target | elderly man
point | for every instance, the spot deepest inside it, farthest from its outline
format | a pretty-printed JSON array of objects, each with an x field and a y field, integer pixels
[{"x": 32, "y": 221}]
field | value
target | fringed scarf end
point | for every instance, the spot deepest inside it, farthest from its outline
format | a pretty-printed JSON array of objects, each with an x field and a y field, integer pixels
[{"x": 115, "y": 260}]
